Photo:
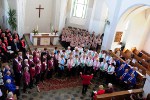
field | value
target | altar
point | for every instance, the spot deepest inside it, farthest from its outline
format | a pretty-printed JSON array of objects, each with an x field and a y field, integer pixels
[{"x": 42, "y": 39}]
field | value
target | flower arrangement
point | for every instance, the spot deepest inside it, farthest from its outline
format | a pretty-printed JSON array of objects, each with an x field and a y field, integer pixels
[
  {"x": 35, "y": 31},
  {"x": 55, "y": 31}
]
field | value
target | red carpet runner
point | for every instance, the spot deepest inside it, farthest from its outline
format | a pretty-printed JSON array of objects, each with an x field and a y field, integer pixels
[{"x": 55, "y": 83}]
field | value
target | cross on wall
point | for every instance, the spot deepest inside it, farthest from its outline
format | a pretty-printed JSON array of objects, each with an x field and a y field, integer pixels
[{"x": 40, "y": 8}]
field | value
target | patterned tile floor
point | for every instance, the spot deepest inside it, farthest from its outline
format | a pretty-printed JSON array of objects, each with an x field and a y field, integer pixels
[
  {"x": 74, "y": 93},
  {"x": 60, "y": 94}
]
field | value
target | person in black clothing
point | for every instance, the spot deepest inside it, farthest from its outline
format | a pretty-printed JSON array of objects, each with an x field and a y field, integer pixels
[
  {"x": 110, "y": 88},
  {"x": 15, "y": 46},
  {"x": 44, "y": 53},
  {"x": 3, "y": 90},
  {"x": 4, "y": 53}
]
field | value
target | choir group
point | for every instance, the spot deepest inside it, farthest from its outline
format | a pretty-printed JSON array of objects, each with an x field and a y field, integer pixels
[
  {"x": 10, "y": 44},
  {"x": 76, "y": 37},
  {"x": 41, "y": 65}
]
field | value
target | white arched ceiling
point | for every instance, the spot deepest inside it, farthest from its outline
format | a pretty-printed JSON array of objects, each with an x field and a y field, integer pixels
[
  {"x": 129, "y": 14},
  {"x": 128, "y": 35}
]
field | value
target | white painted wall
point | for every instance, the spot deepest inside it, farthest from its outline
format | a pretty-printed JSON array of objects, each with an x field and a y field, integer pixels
[
  {"x": 146, "y": 87},
  {"x": 5, "y": 5},
  {"x": 114, "y": 8},
  {"x": 97, "y": 20},
  {"x": 147, "y": 44},
  {"x": 59, "y": 14},
  {"x": 1, "y": 13},
  {"x": 32, "y": 15},
  {"x": 136, "y": 34},
  {"x": 120, "y": 10},
  {"x": 78, "y": 22}
]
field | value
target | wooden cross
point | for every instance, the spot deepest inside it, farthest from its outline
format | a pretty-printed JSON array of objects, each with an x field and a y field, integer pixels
[{"x": 40, "y": 10}]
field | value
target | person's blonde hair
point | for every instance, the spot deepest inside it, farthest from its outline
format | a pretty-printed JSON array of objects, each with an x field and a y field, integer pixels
[
  {"x": 101, "y": 87},
  {"x": 9, "y": 95}
]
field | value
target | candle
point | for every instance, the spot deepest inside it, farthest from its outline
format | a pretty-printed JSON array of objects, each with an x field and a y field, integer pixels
[{"x": 37, "y": 27}]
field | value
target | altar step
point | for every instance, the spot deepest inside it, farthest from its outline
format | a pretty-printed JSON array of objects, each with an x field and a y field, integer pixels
[{"x": 31, "y": 47}]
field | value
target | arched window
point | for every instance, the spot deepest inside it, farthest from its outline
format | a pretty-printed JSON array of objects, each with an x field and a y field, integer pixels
[{"x": 80, "y": 8}]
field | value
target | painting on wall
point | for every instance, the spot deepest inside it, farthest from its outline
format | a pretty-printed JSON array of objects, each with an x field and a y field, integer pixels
[{"x": 118, "y": 37}]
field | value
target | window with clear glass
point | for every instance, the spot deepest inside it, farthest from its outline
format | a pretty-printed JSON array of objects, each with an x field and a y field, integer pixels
[{"x": 80, "y": 8}]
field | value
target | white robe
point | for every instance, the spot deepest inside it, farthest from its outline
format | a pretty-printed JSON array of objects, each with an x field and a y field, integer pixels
[{"x": 96, "y": 65}]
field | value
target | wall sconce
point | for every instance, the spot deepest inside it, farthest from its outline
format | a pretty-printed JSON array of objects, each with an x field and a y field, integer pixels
[{"x": 107, "y": 22}]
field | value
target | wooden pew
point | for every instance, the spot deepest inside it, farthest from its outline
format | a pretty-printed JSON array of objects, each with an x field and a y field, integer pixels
[
  {"x": 145, "y": 53},
  {"x": 141, "y": 75},
  {"x": 136, "y": 52},
  {"x": 118, "y": 95},
  {"x": 128, "y": 54}
]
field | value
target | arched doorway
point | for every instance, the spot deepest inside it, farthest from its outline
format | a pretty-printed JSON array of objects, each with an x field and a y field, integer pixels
[{"x": 133, "y": 28}]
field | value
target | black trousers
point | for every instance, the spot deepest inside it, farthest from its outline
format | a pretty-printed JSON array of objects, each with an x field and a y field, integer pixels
[
  {"x": 25, "y": 86},
  {"x": 31, "y": 83},
  {"x": 101, "y": 59},
  {"x": 84, "y": 89},
  {"x": 38, "y": 77},
  {"x": 56, "y": 68},
  {"x": 82, "y": 69},
  {"x": 43, "y": 75},
  {"x": 18, "y": 78},
  {"x": 74, "y": 71},
  {"x": 109, "y": 78},
  {"x": 69, "y": 72},
  {"x": 49, "y": 74},
  {"x": 60, "y": 73}
]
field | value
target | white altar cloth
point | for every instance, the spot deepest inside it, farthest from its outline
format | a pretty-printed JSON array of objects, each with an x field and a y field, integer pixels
[{"x": 45, "y": 38}]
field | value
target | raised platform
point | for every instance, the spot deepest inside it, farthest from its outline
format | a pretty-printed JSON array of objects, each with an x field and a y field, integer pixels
[{"x": 31, "y": 47}]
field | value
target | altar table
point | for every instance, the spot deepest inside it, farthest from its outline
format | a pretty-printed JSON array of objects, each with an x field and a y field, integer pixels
[{"x": 42, "y": 39}]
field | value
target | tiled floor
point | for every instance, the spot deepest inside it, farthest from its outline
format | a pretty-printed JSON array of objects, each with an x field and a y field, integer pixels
[
  {"x": 61, "y": 94},
  {"x": 74, "y": 93}
]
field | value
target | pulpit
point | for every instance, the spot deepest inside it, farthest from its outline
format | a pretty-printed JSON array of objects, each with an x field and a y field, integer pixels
[{"x": 42, "y": 39}]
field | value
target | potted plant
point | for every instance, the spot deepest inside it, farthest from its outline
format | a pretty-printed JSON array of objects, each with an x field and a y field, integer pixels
[
  {"x": 35, "y": 31},
  {"x": 12, "y": 21}
]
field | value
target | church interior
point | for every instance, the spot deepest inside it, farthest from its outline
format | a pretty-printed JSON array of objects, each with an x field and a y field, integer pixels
[{"x": 74, "y": 50}]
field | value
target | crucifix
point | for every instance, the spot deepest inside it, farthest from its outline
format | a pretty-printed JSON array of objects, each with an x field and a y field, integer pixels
[{"x": 40, "y": 10}]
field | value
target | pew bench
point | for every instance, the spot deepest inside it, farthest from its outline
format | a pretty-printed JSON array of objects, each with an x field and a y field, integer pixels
[
  {"x": 140, "y": 77},
  {"x": 144, "y": 56},
  {"x": 120, "y": 95},
  {"x": 145, "y": 53},
  {"x": 127, "y": 54}
]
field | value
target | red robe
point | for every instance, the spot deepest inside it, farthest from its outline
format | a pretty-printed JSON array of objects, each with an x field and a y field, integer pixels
[
  {"x": 19, "y": 67},
  {"x": 38, "y": 69},
  {"x": 35, "y": 60},
  {"x": 86, "y": 79},
  {"x": 43, "y": 66},
  {"x": 26, "y": 77},
  {"x": 6, "y": 43},
  {"x": 50, "y": 64},
  {"x": 22, "y": 44},
  {"x": 30, "y": 62},
  {"x": 32, "y": 72}
]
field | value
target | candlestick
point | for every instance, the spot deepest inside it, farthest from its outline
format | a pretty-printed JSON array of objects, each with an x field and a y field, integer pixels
[{"x": 37, "y": 27}]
